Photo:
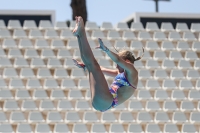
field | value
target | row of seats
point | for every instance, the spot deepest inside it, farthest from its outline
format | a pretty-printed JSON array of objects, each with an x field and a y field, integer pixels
[
  {"x": 111, "y": 35},
  {"x": 53, "y": 63},
  {"x": 99, "y": 128},
  {"x": 121, "y": 26},
  {"x": 91, "y": 117},
  {"x": 74, "y": 94}
]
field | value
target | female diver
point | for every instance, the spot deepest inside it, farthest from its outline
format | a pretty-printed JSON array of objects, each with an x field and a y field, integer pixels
[{"x": 126, "y": 76}]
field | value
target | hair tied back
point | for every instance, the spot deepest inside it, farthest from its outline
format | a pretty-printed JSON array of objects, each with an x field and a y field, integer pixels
[{"x": 140, "y": 57}]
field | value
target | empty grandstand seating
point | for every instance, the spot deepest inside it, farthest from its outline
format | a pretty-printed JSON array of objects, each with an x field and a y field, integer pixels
[{"x": 42, "y": 91}]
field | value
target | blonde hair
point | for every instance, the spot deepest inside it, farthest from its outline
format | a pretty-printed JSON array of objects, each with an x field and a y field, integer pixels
[{"x": 128, "y": 55}]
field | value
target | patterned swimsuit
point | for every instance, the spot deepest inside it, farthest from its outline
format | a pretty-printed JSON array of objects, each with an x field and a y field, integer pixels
[{"x": 119, "y": 81}]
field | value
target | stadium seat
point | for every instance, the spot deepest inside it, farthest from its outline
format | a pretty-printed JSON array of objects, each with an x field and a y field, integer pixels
[
  {"x": 185, "y": 84},
  {"x": 152, "y": 46},
  {"x": 120, "y": 44},
  {"x": 152, "y": 27},
  {"x": 10, "y": 105},
  {"x": 161, "y": 118},
  {"x": 63, "y": 54},
  {"x": 5, "y": 94},
  {"x": 66, "y": 34},
  {"x": 9, "y": 73},
  {"x": 35, "y": 34},
  {"x": 160, "y": 74},
  {"x": 187, "y": 106},
  {"x": 174, "y": 36},
  {"x": 3, "y": 118},
  {"x": 105, "y": 63},
  {"x": 184, "y": 65},
  {"x": 191, "y": 55},
  {"x": 24, "y": 127},
  {"x": 97, "y": 34},
  {"x": 146, "y": 56},
  {"x": 182, "y": 46},
  {"x": 45, "y": 24},
  {"x": 75, "y": 94},
  {"x": 9, "y": 43},
  {"x": 122, "y": 26},
  {"x": 51, "y": 34},
  {"x": 37, "y": 63},
  {"x": 194, "y": 117},
  {"x": 144, "y": 117},
  {"x": 196, "y": 64},
  {"x": 171, "y": 128},
  {"x": 68, "y": 83},
  {"x": 14, "y": 53},
  {"x": 2, "y": 24},
  {"x": 194, "y": 95},
  {"x": 135, "y": 105},
  {"x": 152, "y": 64},
  {"x": 41, "y": 44},
  {"x": 144, "y": 74},
  {"x": 20, "y": 63},
  {"x": 91, "y": 26},
  {"x": 169, "y": 84},
  {"x": 192, "y": 74},
  {"x": 3, "y": 84},
  {"x": 177, "y": 74},
  {"x": 106, "y": 26},
  {"x": 25, "y": 44},
  {"x": 170, "y": 106},
  {"x": 57, "y": 44},
  {"x": 54, "y": 63},
  {"x": 19, "y": 33},
  {"x": 128, "y": 36},
  {"x": 72, "y": 117},
  {"x": 98, "y": 128},
  {"x": 6, "y": 128},
  {"x": 178, "y": 95},
  {"x": 161, "y": 95},
  {"x": 159, "y": 36},
  {"x": 166, "y": 27},
  {"x": 64, "y": 105},
  {"x": 22, "y": 94},
  {"x": 135, "y": 45},
  {"x": 126, "y": 117},
  {"x": 137, "y": 26},
  {"x": 35, "y": 117},
  {"x": 79, "y": 128},
  {"x": 30, "y": 54},
  {"x": 188, "y": 128},
  {"x": 181, "y": 27},
  {"x": 175, "y": 55},
  {"x": 152, "y": 84},
  {"x": 189, "y": 36},
  {"x": 138, "y": 64},
  {"x": 179, "y": 118},
  {"x": 108, "y": 117},
  {"x": 5, "y": 62},
  {"x": 43, "y": 73},
  {"x": 42, "y": 128},
  {"x": 46, "y": 105},
  {"x": 33, "y": 84},
  {"x": 90, "y": 117},
  {"x": 17, "y": 117},
  {"x": 47, "y": 53},
  {"x": 144, "y": 36},
  {"x": 116, "y": 128},
  {"x": 152, "y": 106},
  {"x": 40, "y": 94},
  {"x": 167, "y": 46},
  {"x": 16, "y": 83},
  {"x": 195, "y": 27},
  {"x": 60, "y": 73},
  {"x": 14, "y": 24},
  {"x": 2, "y": 53},
  {"x": 77, "y": 73},
  {"x": 113, "y": 35},
  {"x": 28, "y": 105},
  {"x": 72, "y": 44},
  {"x": 153, "y": 128},
  {"x": 54, "y": 117},
  {"x": 50, "y": 84},
  {"x": 61, "y": 128},
  {"x": 5, "y": 33},
  {"x": 60, "y": 26},
  {"x": 82, "y": 105},
  {"x": 144, "y": 95},
  {"x": 29, "y": 24},
  {"x": 57, "y": 94}
]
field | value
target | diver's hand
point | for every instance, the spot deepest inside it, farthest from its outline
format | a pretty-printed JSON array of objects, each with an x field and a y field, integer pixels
[{"x": 102, "y": 46}]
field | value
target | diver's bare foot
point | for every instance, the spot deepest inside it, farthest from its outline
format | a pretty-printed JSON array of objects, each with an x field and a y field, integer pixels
[{"x": 79, "y": 26}]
